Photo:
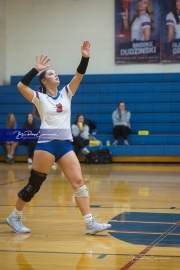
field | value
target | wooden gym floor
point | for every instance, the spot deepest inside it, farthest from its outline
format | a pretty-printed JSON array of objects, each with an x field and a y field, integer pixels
[{"x": 141, "y": 201}]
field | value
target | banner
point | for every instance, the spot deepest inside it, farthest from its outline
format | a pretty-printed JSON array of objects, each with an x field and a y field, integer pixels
[
  {"x": 170, "y": 31},
  {"x": 137, "y": 31}
]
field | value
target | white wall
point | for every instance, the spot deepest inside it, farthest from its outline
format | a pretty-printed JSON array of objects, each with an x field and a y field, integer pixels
[
  {"x": 57, "y": 28},
  {"x": 2, "y": 42}
]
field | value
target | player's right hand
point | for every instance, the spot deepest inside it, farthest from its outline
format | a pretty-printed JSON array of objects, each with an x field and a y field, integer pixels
[{"x": 41, "y": 62}]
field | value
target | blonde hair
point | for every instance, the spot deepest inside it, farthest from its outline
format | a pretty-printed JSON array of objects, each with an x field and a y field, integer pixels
[
  {"x": 9, "y": 123},
  {"x": 149, "y": 10}
]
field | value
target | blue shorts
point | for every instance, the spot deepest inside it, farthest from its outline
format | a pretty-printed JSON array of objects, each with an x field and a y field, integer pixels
[{"x": 56, "y": 148}]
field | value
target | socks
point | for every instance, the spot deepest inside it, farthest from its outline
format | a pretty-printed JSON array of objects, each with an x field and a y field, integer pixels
[
  {"x": 16, "y": 212},
  {"x": 87, "y": 218}
]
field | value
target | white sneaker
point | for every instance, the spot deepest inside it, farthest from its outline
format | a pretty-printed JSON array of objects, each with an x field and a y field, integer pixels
[
  {"x": 54, "y": 166},
  {"x": 93, "y": 227},
  {"x": 15, "y": 223},
  {"x": 85, "y": 151},
  {"x": 29, "y": 161},
  {"x": 126, "y": 142}
]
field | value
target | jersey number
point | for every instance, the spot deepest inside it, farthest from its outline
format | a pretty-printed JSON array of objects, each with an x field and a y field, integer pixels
[{"x": 59, "y": 107}]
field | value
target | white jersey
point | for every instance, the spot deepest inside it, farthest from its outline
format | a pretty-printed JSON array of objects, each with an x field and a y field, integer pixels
[
  {"x": 55, "y": 113},
  {"x": 138, "y": 25},
  {"x": 170, "y": 20}
]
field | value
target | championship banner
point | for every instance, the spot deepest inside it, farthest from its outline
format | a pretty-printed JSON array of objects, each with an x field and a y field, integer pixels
[
  {"x": 170, "y": 35},
  {"x": 137, "y": 31}
]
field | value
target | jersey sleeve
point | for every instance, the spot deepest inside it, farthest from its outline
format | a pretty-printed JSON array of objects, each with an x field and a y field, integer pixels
[
  {"x": 170, "y": 19},
  {"x": 145, "y": 21},
  {"x": 68, "y": 91}
]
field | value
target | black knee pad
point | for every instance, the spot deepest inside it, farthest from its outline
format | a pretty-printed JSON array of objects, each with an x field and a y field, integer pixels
[{"x": 35, "y": 181}]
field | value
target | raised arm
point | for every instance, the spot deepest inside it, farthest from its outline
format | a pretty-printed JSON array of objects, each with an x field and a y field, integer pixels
[
  {"x": 25, "y": 81},
  {"x": 85, "y": 51},
  {"x": 125, "y": 20}
]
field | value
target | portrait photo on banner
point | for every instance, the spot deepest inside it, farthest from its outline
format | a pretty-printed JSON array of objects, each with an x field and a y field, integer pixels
[
  {"x": 137, "y": 31},
  {"x": 170, "y": 31}
]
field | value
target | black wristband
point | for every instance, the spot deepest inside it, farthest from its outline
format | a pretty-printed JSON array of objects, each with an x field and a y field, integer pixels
[
  {"x": 83, "y": 65},
  {"x": 29, "y": 76}
]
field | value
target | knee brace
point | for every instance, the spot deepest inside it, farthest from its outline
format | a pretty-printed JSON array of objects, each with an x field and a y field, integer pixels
[
  {"x": 81, "y": 192},
  {"x": 35, "y": 181}
]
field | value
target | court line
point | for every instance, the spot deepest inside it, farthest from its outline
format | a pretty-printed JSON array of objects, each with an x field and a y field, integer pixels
[
  {"x": 110, "y": 207},
  {"x": 148, "y": 248},
  {"x": 86, "y": 253},
  {"x": 14, "y": 181}
]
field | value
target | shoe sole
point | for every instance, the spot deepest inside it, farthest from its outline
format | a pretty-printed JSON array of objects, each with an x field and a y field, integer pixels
[
  {"x": 9, "y": 224},
  {"x": 94, "y": 231}
]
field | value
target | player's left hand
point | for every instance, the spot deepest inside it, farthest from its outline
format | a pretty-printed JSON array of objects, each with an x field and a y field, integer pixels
[
  {"x": 41, "y": 63},
  {"x": 85, "y": 49}
]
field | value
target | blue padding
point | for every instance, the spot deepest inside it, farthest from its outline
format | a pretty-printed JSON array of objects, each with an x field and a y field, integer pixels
[
  {"x": 135, "y": 118},
  {"x": 120, "y": 150},
  {"x": 15, "y": 108},
  {"x": 142, "y": 150},
  {"x": 107, "y": 99},
  {"x": 152, "y": 128},
  {"x": 159, "y": 139},
  {"x": 127, "y": 98},
  {"x": 114, "y": 78},
  {"x": 107, "y": 88},
  {"x": 153, "y": 99}
]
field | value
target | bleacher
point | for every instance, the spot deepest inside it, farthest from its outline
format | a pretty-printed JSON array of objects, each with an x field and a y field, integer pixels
[{"x": 152, "y": 99}]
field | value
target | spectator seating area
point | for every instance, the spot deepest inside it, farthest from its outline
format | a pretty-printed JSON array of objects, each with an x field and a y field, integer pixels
[{"x": 152, "y": 99}]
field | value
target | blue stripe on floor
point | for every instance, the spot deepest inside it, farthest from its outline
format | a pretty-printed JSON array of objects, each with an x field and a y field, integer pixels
[
  {"x": 151, "y": 217},
  {"x": 102, "y": 256}
]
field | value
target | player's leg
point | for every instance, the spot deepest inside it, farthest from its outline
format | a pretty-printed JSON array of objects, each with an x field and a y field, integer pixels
[
  {"x": 42, "y": 163},
  {"x": 72, "y": 170}
]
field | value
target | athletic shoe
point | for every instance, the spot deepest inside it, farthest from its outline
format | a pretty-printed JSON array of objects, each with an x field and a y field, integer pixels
[
  {"x": 29, "y": 160},
  {"x": 85, "y": 151},
  {"x": 54, "y": 166},
  {"x": 114, "y": 143},
  {"x": 93, "y": 227},
  {"x": 15, "y": 222},
  {"x": 126, "y": 142},
  {"x": 7, "y": 159},
  {"x": 12, "y": 160}
]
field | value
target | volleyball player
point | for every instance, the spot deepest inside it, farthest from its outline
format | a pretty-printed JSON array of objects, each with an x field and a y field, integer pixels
[{"x": 54, "y": 144}]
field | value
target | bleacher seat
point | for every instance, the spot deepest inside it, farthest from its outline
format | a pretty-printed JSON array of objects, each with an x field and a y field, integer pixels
[{"x": 153, "y": 100}]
